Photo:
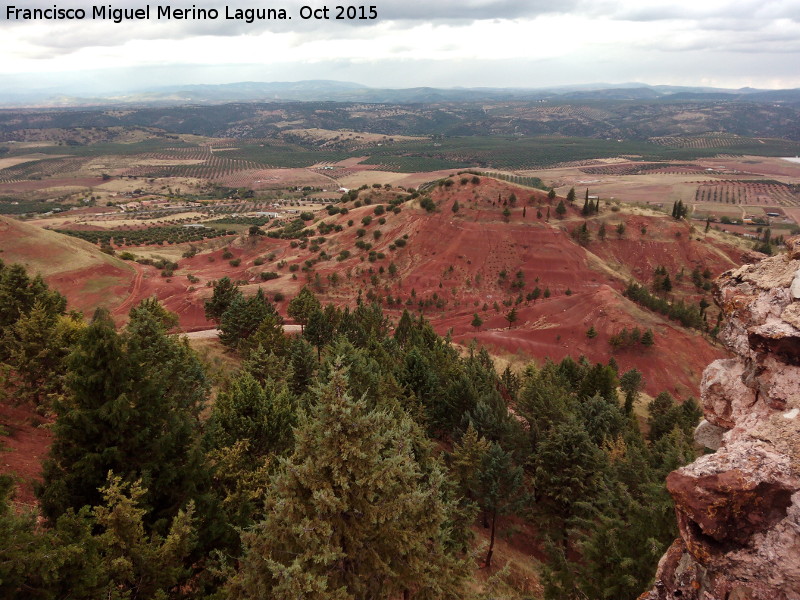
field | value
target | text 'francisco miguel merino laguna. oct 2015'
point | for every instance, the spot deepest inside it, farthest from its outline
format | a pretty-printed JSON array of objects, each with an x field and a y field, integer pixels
[{"x": 170, "y": 13}]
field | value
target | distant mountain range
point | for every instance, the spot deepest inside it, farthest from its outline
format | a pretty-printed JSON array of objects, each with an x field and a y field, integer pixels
[{"x": 338, "y": 91}]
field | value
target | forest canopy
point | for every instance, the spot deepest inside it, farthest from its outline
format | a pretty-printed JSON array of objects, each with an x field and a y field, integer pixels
[{"x": 360, "y": 459}]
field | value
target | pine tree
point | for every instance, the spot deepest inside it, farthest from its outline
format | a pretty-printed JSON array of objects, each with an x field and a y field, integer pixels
[
  {"x": 499, "y": 487},
  {"x": 662, "y": 417},
  {"x": 132, "y": 406},
  {"x": 269, "y": 335},
  {"x": 455, "y": 207},
  {"x": 551, "y": 194},
  {"x": 405, "y": 326},
  {"x": 561, "y": 210},
  {"x": 358, "y": 511},
  {"x": 304, "y": 365},
  {"x": 225, "y": 292},
  {"x": 466, "y": 461},
  {"x": 511, "y": 317},
  {"x": 568, "y": 469},
  {"x": 243, "y": 318},
  {"x": 601, "y": 233},
  {"x": 144, "y": 565},
  {"x": 630, "y": 383},
  {"x": 302, "y": 306},
  {"x": 261, "y": 414},
  {"x": 476, "y": 321},
  {"x": 571, "y": 195},
  {"x": 37, "y": 346},
  {"x": 319, "y": 331}
]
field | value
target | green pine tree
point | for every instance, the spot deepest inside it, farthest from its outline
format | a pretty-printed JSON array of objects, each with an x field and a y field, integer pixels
[
  {"x": 132, "y": 406},
  {"x": 476, "y": 321},
  {"x": 225, "y": 292},
  {"x": 499, "y": 489},
  {"x": 358, "y": 511},
  {"x": 302, "y": 306}
]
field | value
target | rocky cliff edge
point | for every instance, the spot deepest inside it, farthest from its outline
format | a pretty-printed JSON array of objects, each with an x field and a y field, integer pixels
[{"x": 738, "y": 509}]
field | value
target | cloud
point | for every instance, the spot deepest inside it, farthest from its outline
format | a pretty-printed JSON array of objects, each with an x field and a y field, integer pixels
[{"x": 474, "y": 40}]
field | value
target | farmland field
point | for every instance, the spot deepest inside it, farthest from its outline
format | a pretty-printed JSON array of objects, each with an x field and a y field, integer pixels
[{"x": 764, "y": 192}]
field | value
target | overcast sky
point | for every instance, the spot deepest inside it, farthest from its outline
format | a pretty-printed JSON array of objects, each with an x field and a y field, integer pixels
[{"x": 444, "y": 43}]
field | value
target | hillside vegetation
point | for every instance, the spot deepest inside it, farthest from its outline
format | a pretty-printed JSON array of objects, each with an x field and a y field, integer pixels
[{"x": 349, "y": 461}]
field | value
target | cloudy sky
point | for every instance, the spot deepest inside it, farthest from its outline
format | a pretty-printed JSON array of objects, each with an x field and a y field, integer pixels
[{"x": 444, "y": 43}]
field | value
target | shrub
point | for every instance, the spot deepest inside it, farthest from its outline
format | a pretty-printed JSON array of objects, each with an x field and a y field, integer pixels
[
  {"x": 235, "y": 262},
  {"x": 268, "y": 275},
  {"x": 428, "y": 204}
]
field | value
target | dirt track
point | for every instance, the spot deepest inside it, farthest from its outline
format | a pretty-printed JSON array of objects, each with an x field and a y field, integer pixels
[{"x": 207, "y": 334}]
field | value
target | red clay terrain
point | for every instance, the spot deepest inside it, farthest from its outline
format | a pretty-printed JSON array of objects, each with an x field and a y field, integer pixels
[
  {"x": 451, "y": 267},
  {"x": 77, "y": 269},
  {"x": 23, "y": 446}
]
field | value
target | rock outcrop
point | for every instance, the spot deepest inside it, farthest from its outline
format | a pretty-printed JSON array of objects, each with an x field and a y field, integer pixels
[{"x": 738, "y": 509}]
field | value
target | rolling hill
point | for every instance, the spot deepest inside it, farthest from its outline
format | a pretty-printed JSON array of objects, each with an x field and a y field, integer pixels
[{"x": 79, "y": 270}]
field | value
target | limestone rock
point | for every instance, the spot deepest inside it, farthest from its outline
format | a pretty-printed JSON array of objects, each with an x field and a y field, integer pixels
[
  {"x": 793, "y": 247},
  {"x": 709, "y": 435},
  {"x": 738, "y": 509}
]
